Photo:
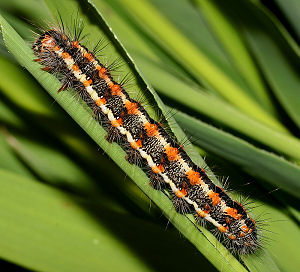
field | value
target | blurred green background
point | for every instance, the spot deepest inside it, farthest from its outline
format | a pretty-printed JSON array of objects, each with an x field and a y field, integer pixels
[{"x": 227, "y": 72}]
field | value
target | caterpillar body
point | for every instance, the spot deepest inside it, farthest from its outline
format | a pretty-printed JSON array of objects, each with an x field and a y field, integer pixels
[{"x": 144, "y": 139}]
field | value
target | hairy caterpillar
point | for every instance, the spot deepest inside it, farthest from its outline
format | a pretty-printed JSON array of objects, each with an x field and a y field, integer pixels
[{"x": 167, "y": 164}]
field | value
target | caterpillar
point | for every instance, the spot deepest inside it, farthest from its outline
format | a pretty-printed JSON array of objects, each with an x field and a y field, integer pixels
[{"x": 145, "y": 140}]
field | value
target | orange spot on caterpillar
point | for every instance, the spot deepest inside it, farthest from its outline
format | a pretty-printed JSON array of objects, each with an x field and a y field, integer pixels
[
  {"x": 47, "y": 41},
  {"x": 222, "y": 228},
  {"x": 132, "y": 108},
  {"x": 244, "y": 228},
  {"x": 137, "y": 144},
  {"x": 116, "y": 122},
  {"x": 233, "y": 213},
  {"x": 201, "y": 213},
  {"x": 120, "y": 121},
  {"x": 87, "y": 82},
  {"x": 105, "y": 77},
  {"x": 56, "y": 48},
  {"x": 242, "y": 234},
  {"x": 75, "y": 67},
  {"x": 172, "y": 153},
  {"x": 181, "y": 193},
  {"x": 65, "y": 55},
  {"x": 158, "y": 169},
  {"x": 76, "y": 44},
  {"x": 102, "y": 71},
  {"x": 116, "y": 89},
  {"x": 100, "y": 101},
  {"x": 232, "y": 236},
  {"x": 151, "y": 129},
  {"x": 194, "y": 177},
  {"x": 89, "y": 56},
  {"x": 214, "y": 197}
]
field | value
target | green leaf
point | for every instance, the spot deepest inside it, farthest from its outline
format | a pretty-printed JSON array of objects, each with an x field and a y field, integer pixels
[
  {"x": 34, "y": 9},
  {"x": 291, "y": 10},
  {"x": 282, "y": 76},
  {"x": 47, "y": 230},
  {"x": 10, "y": 162},
  {"x": 275, "y": 54},
  {"x": 33, "y": 100},
  {"x": 229, "y": 36},
  {"x": 50, "y": 164}
]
